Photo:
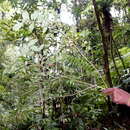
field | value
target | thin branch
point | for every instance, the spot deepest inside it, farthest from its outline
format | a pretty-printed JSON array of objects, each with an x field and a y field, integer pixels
[
  {"x": 70, "y": 95},
  {"x": 90, "y": 64}
]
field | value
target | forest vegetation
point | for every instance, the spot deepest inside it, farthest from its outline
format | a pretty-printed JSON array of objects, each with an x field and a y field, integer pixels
[{"x": 56, "y": 57}]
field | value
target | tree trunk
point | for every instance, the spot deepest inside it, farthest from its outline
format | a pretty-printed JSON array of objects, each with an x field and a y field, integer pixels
[{"x": 105, "y": 47}]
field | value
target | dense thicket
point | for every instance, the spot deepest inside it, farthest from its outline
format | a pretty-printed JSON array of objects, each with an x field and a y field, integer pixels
[{"x": 56, "y": 57}]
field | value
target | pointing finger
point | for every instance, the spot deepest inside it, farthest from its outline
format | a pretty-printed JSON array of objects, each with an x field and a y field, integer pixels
[{"x": 108, "y": 91}]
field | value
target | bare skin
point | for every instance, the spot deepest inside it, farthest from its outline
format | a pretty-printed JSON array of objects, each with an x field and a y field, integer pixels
[{"x": 118, "y": 95}]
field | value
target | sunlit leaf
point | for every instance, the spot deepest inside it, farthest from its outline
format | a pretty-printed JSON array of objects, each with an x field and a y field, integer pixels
[
  {"x": 25, "y": 16},
  {"x": 17, "y": 26}
]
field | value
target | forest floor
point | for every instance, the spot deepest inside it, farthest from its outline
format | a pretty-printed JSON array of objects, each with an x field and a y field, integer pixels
[
  {"x": 115, "y": 123},
  {"x": 118, "y": 120}
]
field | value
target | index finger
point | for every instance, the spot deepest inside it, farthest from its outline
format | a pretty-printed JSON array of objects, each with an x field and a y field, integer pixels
[{"x": 108, "y": 91}]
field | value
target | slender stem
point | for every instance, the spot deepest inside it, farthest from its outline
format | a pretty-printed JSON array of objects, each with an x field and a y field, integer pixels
[{"x": 91, "y": 65}]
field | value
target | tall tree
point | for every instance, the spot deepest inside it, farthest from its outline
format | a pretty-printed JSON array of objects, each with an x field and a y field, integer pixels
[{"x": 105, "y": 30}]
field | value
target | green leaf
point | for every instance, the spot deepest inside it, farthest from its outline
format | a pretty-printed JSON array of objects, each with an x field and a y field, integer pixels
[
  {"x": 2, "y": 88},
  {"x": 31, "y": 27},
  {"x": 25, "y": 16},
  {"x": 32, "y": 42},
  {"x": 35, "y": 15},
  {"x": 17, "y": 26}
]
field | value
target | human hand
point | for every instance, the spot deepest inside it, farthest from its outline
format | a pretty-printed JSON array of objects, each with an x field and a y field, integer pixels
[{"x": 118, "y": 95}]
